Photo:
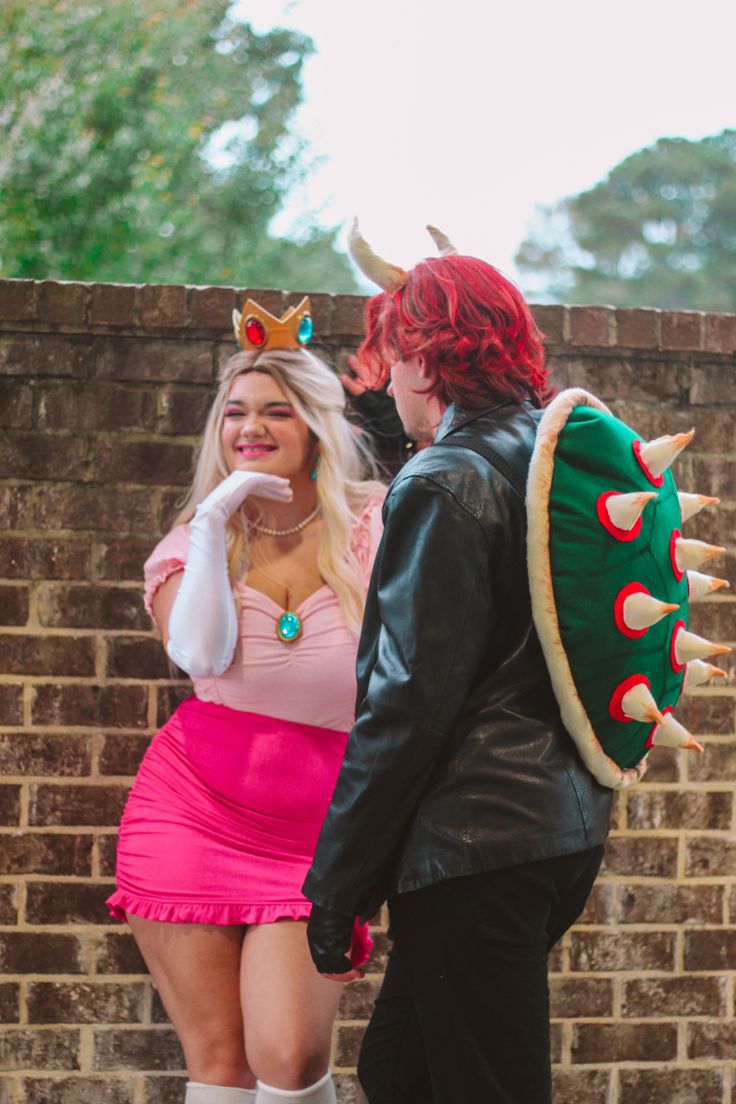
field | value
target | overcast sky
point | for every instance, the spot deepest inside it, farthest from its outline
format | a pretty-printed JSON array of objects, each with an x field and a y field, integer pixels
[{"x": 468, "y": 113}]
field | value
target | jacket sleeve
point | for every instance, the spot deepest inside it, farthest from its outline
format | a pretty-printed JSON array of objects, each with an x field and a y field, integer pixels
[{"x": 431, "y": 584}]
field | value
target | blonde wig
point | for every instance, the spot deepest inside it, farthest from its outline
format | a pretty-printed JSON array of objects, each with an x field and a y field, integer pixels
[{"x": 346, "y": 473}]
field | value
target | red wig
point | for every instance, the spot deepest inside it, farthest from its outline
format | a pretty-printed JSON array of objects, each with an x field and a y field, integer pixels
[{"x": 471, "y": 325}]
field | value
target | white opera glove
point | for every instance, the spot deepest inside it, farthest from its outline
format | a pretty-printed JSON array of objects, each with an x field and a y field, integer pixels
[{"x": 203, "y": 628}]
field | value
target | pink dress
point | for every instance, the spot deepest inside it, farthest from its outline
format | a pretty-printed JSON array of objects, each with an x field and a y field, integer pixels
[{"x": 223, "y": 818}]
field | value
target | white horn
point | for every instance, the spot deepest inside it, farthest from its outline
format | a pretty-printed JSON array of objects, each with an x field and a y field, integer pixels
[
  {"x": 388, "y": 276},
  {"x": 699, "y": 585},
  {"x": 640, "y": 611},
  {"x": 639, "y": 705},
  {"x": 698, "y": 672},
  {"x": 673, "y": 734},
  {"x": 659, "y": 454},
  {"x": 690, "y": 554},
  {"x": 236, "y": 324},
  {"x": 691, "y": 646},
  {"x": 691, "y": 504},
  {"x": 624, "y": 510},
  {"x": 443, "y": 243}
]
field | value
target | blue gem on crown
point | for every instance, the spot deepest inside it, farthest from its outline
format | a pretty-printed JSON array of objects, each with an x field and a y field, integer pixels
[{"x": 305, "y": 330}]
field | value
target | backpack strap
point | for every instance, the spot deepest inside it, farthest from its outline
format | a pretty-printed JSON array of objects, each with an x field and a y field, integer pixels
[{"x": 495, "y": 459}]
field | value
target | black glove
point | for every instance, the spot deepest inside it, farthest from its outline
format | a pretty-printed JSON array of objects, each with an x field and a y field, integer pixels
[{"x": 330, "y": 934}]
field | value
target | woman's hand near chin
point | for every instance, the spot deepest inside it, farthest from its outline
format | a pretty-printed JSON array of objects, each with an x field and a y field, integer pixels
[{"x": 229, "y": 495}]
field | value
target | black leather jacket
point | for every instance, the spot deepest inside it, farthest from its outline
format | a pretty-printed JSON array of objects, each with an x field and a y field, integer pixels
[{"x": 458, "y": 761}]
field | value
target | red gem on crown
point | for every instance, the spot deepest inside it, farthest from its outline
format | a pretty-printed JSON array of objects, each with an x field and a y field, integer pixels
[{"x": 255, "y": 331}]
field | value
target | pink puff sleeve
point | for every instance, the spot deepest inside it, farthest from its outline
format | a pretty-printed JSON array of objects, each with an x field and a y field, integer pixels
[
  {"x": 367, "y": 535},
  {"x": 168, "y": 557}
]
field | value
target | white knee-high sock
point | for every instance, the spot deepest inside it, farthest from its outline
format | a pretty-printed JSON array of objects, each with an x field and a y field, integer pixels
[
  {"x": 199, "y": 1093},
  {"x": 321, "y": 1092}
]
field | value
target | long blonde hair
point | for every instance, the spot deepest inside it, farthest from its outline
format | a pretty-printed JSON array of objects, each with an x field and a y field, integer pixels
[{"x": 346, "y": 473}]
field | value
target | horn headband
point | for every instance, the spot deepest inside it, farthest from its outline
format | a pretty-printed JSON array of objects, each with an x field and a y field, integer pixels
[
  {"x": 390, "y": 277},
  {"x": 257, "y": 329}
]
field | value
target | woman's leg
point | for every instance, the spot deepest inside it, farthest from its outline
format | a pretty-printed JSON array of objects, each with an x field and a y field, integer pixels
[
  {"x": 289, "y": 1010},
  {"x": 196, "y": 970}
]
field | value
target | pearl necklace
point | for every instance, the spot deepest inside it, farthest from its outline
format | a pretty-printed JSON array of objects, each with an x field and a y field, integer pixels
[{"x": 287, "y": 532}]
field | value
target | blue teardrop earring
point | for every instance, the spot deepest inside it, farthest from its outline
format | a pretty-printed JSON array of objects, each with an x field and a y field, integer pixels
[{"x": 313, "y": 476}]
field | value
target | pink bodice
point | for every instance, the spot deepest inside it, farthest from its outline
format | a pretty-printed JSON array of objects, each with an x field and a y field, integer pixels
[{"x": 312, "y": 680}]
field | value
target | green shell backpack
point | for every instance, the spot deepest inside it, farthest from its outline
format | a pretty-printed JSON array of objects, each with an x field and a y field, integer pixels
[{"x": 611, "y": 577}]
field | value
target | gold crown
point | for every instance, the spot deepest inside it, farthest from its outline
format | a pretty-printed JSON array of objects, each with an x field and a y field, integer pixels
[{"x": 256, "y": 328}]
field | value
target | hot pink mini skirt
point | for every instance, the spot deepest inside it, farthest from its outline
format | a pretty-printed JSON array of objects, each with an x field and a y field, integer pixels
[{"x": 222, "y": 821}]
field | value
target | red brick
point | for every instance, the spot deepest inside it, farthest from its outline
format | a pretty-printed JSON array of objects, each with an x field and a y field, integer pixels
[
  {"x": 121, "y": 560},
  {"x": 154, "y": 360},
  {"x": 90, "y": 508},
  {"x": 40, "y": 953},
  {"x": 641, "y": 857},
  {"x": 681, "y": 330},
  {"x": 680, "y": 996},
  {"x": 711, "y": 1040},
  {"x": 9, "y": 1003},
  {"x": 358, "y": 999},
  {"x": 164, "y": 305},
  {"x": 212, "y": 307},
  {"x": 707, "y": 713},
  {"x": 87, "y": 408},
  {"x": 148, "y": 462},
  {"x": 47, "y": 655},
  {"x": 671, "y": 904},
  {"x": 67, "y": 903},
  {"x": 160, "y": 1089},
  {"x": 41, "y": 853},
  {"x": 11, "y": 705},
  {"x": 80, "y": 1002},
  {"x": 591, "y": 325},
  {"x": 136, "y": 657},
  {"x": 710, "y": 856},
  {"x": 16, "y": 506},
  {"x": 122, "y": 753},
  {"x": 663, "y": 765},
  {"x": 170, "y": 698},
  {"x": 24, "y": 1049},
  {"x": 713, "y": 384},
  {"x": 551, "y": 321},
  {"x": 107, "y": 847},
  {"x": 137, "y": 1048},
  {"x": 183, "y": 412},
  {"x": 322, "y": 306},
  {"x": 347, "y": 1044},
  {"x": 347, "y": 315},
  {"x": 710, "y": 950},
  {"x": 268, "y": 298},
  {"x": 43, "y": 558},
  {"x": 17, "y": 300},
  {"x": 719, "y": 333},
  {"x": 96, "y": 706},
  {"x": 597, "y": 951},
  {"x": 169, "y": 510},
  {"x": 717, "y": 764},
  {"x": 118, "y": 954},
  {"x": 9, "y": 805},
  {"x": 65, "y": 303},
  {"x": 576, "y": 1086},
  {"x": 580, "y": 998},
  {"x": 559, "y": 374},
  {"x": 711, "y": 475},
  {"x": 16, "y": 406},
  {"x": 655, "y": 809},
  {"x": 28, "y": 754},
  {"x": 113, "y": 305},
  {"x": 670, "y": 1086},
  {"x": 8, "y": 906},
  {"x": 639, "y": 380},
  {"x": 27, "y": 456},
  {"x": 13, "y": 605},
  {"x": 637, "y": 329},
  {"x": 619, "y": 1042},
  {"x": 92, "y": 607},
  {"x": 599, "y": 905},
  {"x": 70, "y": 806},
  {"x": 78, "y": 1090},
  {"x": 46, "y": 356}
]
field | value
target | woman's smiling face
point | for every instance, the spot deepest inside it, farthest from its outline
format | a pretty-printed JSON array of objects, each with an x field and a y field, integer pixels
[{"x": 261, "y": 430}]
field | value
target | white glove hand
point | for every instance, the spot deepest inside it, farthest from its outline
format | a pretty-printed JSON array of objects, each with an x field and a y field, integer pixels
[{"x": 203, "y": 628}]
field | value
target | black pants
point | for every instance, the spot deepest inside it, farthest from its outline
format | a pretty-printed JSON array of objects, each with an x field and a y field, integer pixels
[{"x": 463, "y": 1013}]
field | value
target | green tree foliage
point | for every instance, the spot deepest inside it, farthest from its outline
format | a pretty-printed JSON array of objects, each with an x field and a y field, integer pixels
[
  {"x": 659, "y": 231},
  {"x": 149, "y": 140}
]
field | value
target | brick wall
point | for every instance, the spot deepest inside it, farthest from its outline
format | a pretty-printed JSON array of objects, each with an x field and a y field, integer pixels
[{"x": 103, "y": 393}]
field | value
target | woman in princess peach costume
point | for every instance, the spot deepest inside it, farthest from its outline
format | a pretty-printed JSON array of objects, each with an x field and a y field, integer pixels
[{"x": 258, "y": 594}]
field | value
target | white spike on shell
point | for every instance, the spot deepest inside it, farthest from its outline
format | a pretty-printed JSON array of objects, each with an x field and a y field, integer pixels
[
  {"x": 236, "y": 324},
  {"x": 388, "y": 276},
  {"x": 443, "y": 243},
  {"x": 659, "y": 454},
  {"x": 699, "y": 585},
  {"x": 697, "y": 672},
  {"x": 691, "y": 504},
  {"x": 639, "y": 705},
  {"x": 690, "y": 554},
  {"x": 641, "y": 611},
  {"x": 624, "y": 510},
  {"x": 673, "y": 734},
  {"x": 691, "y": 646}
]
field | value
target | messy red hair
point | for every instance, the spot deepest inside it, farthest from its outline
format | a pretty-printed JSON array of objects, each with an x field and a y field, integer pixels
[{"x": 471, "y": 325}]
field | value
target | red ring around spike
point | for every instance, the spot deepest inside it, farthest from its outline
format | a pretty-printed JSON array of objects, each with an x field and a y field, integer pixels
[
  {"x": 614, "y": 706},
  {"x": 255, "y": 331},
  {"x": 675, "y": 536},
  {"x": 618, "y": 609},
  {"x": 620, "y": 534},
  {"x": 655, "y": 480},
  {"x": 679, "y": 626},
  {"x": 667, "y": 709}
]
